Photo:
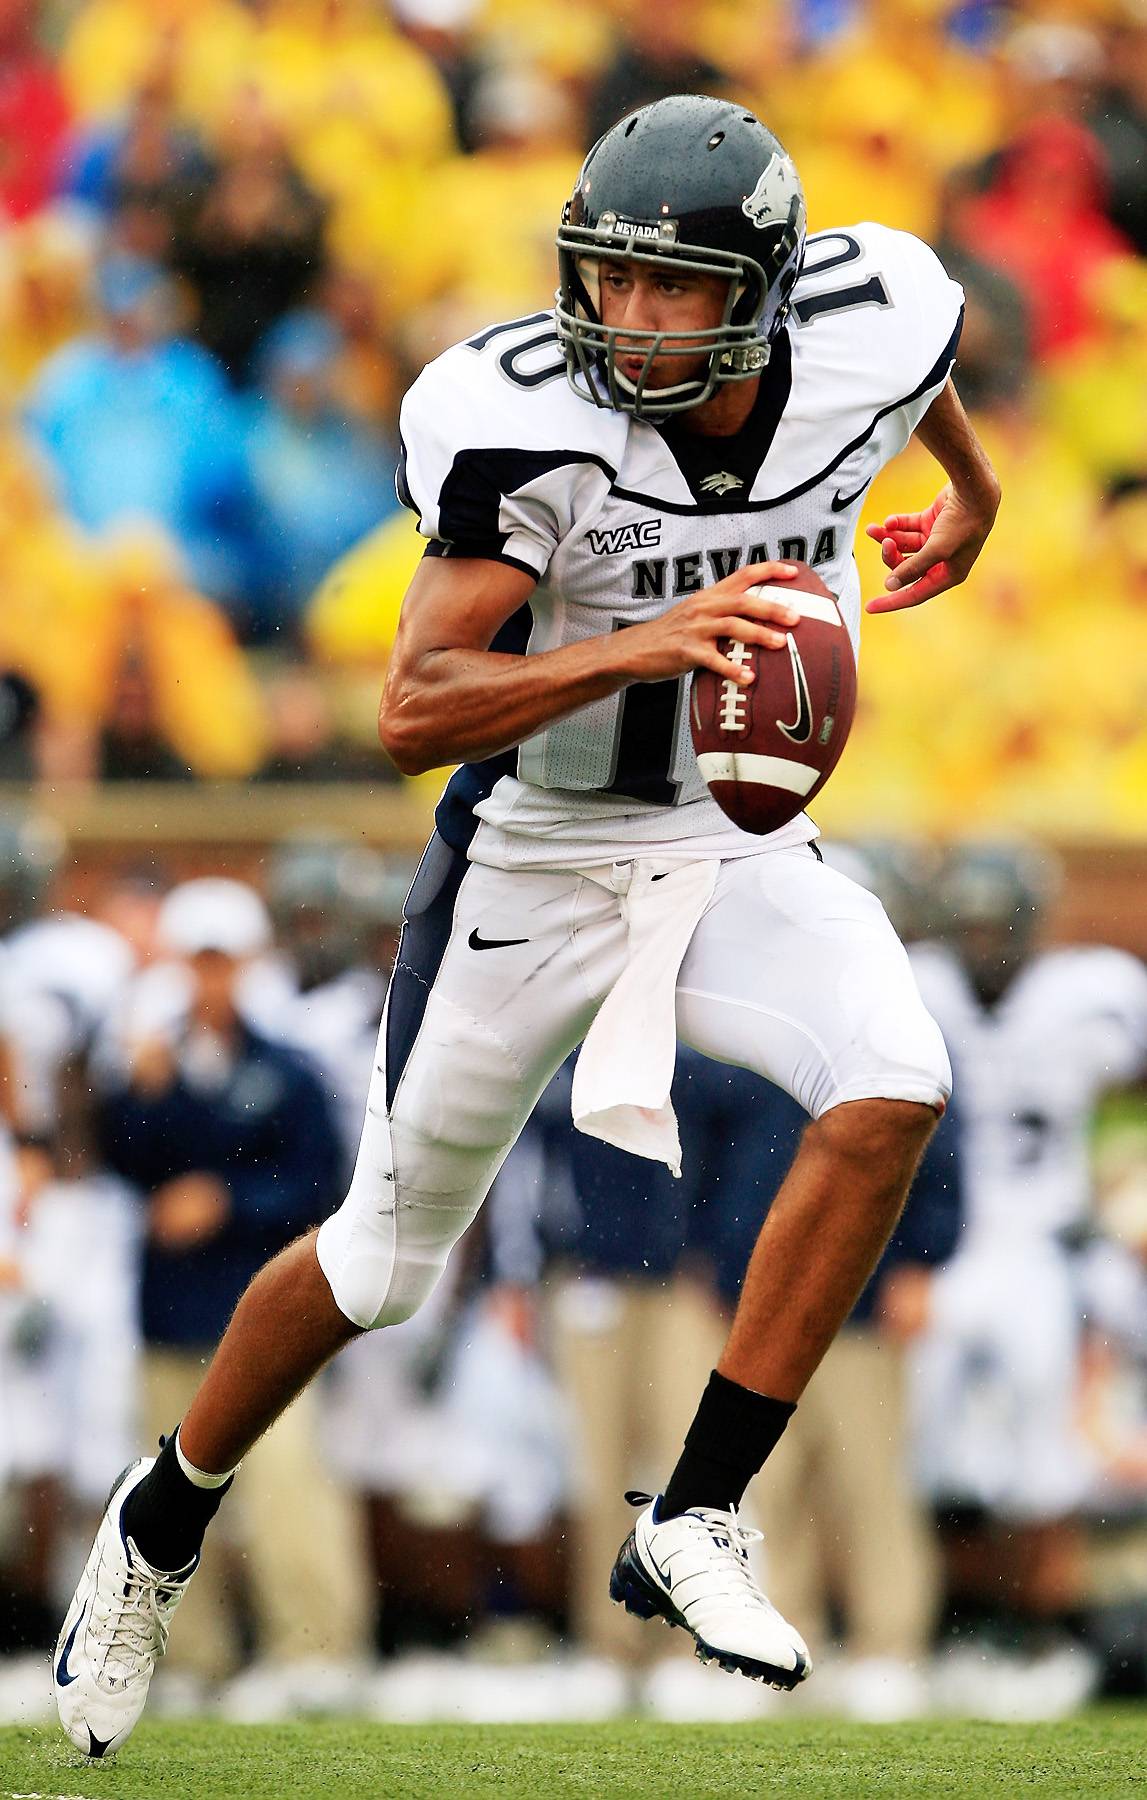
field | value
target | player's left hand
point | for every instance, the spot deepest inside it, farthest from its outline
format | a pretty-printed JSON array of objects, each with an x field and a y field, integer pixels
[{"x": 930, "y": 551}]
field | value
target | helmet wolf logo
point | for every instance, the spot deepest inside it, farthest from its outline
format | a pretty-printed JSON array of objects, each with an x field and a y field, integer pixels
[{"x": 771, "y": 200}]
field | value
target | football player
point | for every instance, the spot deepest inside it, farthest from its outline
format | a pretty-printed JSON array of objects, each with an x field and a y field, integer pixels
[
  {"x": 67, "y": 1334},
  {"x": 1038, "y": 1036},
  {"x": 601, "y": 486}
]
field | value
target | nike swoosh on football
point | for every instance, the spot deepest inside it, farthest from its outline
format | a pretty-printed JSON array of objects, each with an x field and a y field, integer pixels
[
  {"x": 800, "y": 730},
  {"x": 480, "y": 943},
  {"x": 842, "y": 502},
  {"x": 63, "y": 1677}
]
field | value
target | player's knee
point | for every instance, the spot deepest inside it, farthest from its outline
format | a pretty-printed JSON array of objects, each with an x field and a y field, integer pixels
[
  {"x": 378, "y": 1274},
  {"x": 410, "y": 1287},
  {"x": 371, "y": 1298}
]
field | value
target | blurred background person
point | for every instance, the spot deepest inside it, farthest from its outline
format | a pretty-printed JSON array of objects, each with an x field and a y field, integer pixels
[
  {"x": 656, "y": 54},
  {"x": 137, "y": 423},
  {"x": 20, "y": 710},
  {"x": 336, "y": 908},
  {"x": 142, "y": 169},
  {"x": 34, "y": 113},
  {"x": 46, "y": 290},
  {"x": 131, "y": 746},
  {"x": 1036, "y": 1037},
  {"x": 1117, "y": 114},
  {"x": 68, "y": 1337},
  {"x": 250, "y": 243},
  {"x": 1113, "y": 1406},
  {"x": 320, "y": 477},
  {"x": 444, "y": 30},
  {"x": 317, "y": 732},
  {"x": 527, "y": 131},
  {"x": 229, "y": 1139},
  {"x": 1042, "y": 220}
]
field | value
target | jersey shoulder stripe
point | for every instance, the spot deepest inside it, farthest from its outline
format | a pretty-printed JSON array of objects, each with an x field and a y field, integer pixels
[
  {"x": 495, "y": 445},
  {"x": 507, "y": 386}
]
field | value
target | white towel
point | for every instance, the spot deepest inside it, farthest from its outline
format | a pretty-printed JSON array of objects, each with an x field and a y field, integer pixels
[{"x": 623, "y": 1076}]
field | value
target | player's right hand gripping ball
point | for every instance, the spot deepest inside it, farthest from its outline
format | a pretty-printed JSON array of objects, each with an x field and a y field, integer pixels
[{"x": 767, "y": 749}]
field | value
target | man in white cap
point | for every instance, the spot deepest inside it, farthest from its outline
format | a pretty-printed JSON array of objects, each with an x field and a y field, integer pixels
[{"x": 231, "y": 1139}]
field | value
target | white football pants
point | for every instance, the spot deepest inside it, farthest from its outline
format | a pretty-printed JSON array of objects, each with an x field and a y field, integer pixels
[{"x": 793, "y": 971}]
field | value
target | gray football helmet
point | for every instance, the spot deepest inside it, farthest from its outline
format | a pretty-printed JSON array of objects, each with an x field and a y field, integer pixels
[
  {"x": 327, "y": 897},
  {"x": 696, "y": 182}
]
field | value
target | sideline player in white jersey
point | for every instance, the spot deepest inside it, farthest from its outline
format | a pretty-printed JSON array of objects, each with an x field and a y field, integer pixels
[
  {"x": 600, "y": 486},
  {"x": 1037, "y": 1037},
  {"x": 68, "y": 1228}
]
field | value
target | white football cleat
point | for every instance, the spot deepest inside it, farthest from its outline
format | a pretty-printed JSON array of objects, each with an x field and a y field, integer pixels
[
  {"x": 115, "y": 1629},
  {"x": 694, "y": 1571}
]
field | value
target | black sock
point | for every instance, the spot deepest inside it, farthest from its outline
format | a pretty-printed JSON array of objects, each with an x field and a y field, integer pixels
[
  {"x": 733, "y": 1432},
  {"x": 167, "y": 1515}
]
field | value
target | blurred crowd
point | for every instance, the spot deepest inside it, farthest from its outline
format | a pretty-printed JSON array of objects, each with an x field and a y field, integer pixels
[
  {"x": 957, "y": 1515},
  {"x": 232, "y": 230}
]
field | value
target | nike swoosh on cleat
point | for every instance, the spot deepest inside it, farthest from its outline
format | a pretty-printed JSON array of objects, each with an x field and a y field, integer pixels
[
  {"x": 480, "y": 943},
  {"x": 97, "y": 1746},
  {"x": 646, "y": 1556},
  {"x": 63, "y": 1677}
]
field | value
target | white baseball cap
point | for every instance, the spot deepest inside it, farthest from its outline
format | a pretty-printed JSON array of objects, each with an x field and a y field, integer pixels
[{"x": 214, "y": 913}]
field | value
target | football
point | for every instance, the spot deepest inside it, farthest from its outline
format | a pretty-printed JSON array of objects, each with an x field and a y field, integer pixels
[{"x": 767, "y": 749}]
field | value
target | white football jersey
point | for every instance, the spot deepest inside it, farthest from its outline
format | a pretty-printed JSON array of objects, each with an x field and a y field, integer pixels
[
  {"x": 1028, "y": 1074},
  {"x": 334, "y": 1026},
  {"x": 618, "y": 519}
]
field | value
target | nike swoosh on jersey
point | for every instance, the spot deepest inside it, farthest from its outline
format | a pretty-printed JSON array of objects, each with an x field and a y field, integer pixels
[
  {"x": 800, "y": 731},
  {"x": 64, "y": 1677},
  {"x": 842, "y": 502},
  {"x": 480, "y": 943}
]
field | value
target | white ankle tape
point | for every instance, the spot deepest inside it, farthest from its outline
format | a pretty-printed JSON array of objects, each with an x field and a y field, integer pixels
[{"x": 199, "y": 1477}]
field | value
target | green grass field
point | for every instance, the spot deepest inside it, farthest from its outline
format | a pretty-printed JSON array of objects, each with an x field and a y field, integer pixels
[{"x": 1102, "y": 1755}]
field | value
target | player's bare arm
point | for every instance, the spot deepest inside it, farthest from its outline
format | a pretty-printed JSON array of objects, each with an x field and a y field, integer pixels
[
  {"x": 449, "y": 698},
  {"x": 929, "y": 552}
]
